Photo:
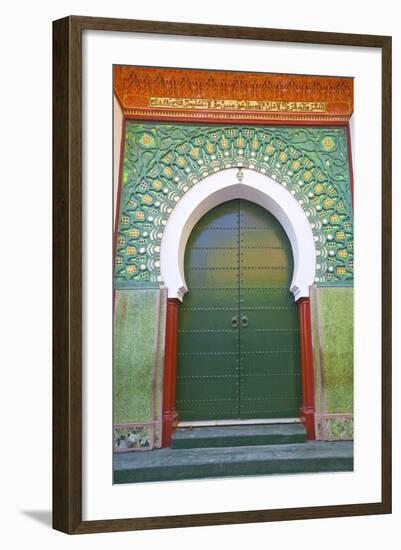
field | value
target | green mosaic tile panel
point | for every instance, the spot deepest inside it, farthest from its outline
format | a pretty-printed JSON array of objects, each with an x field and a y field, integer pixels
[
  {"x": 336, "y": 320},
  {"x": 160, "y": 369},
  {"x": 135, "y": 319},
  {"x": 163, "y": 161},
  {"x": 333, "y": 346}
]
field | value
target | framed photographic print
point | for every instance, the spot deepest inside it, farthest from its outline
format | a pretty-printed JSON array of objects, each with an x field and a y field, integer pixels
[{"x": 222, "y": 279}]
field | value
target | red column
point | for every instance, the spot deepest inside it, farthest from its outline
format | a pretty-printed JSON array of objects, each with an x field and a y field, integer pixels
[
  {"x": 307, "y": 412},
  {"x": 170, "y": 416}
]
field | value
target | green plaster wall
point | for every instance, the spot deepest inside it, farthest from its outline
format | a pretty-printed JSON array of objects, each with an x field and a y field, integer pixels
[
  {"x": 139, "y": 324},
  {"x": 332, "y": 313},
  {"x": 336, "y": 310},
  {"x": 158, "y": 405}
]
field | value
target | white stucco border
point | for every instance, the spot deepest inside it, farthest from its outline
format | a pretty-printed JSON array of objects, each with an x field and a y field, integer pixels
[{"x": 224, "y": 186}]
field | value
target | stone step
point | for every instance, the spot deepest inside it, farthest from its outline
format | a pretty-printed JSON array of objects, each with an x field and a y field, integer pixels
[
  {"x": 238, "y": 436},
  {"x": 177, "y": 464}
]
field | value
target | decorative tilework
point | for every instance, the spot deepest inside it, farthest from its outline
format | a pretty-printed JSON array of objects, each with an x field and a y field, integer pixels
[
  {"x": 129, "y": 438},
  {"x": 335, "y": 427},
  {"x": 332, "y": 338},
  {"x": 138, "y": 360},
  {"x": 163, "y": 161}
]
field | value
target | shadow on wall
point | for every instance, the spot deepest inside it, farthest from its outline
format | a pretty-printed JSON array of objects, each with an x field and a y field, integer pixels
[{"x": 40, "y": 516}]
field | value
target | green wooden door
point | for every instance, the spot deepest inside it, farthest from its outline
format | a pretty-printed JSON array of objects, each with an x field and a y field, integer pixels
[
  {"x": 270, "y": 384},
  {"x": 238, "y": 354}
]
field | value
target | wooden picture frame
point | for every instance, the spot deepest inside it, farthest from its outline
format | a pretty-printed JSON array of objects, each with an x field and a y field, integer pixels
[{"x": 67, "y": 273}]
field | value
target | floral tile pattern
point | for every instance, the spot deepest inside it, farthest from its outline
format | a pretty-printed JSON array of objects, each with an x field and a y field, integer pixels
[{"x": 163, "y": 161}]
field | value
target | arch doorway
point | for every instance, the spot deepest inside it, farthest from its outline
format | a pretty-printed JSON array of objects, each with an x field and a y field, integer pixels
[
  {"x": 273, "y": 198},
  {"x": 238, "y": 329}
]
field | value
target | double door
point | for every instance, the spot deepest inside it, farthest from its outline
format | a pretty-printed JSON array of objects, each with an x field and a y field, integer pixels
[{"x": 238, "y": 345}]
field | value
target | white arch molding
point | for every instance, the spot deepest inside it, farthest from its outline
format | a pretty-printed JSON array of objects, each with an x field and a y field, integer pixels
[{"x": 224, "y": 186}]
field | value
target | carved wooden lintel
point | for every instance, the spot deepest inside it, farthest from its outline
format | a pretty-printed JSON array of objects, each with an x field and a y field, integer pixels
[{"x": 194, "y": 94}]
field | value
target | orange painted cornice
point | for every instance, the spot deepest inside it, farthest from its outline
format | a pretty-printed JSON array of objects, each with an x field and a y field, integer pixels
[{"x": 193, "y": 94}]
